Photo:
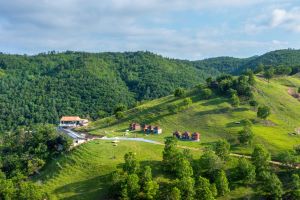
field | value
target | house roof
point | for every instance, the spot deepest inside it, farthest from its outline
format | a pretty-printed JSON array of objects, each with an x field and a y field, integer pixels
[{"x": 70, "y": 118}]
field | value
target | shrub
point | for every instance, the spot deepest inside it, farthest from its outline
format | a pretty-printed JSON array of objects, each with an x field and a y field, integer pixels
[
  {"x": 263, "y": 112},
  {"x": 179, "y": 92}
]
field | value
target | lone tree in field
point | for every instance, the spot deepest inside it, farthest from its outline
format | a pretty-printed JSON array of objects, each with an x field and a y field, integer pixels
[
  {"x": 184, "y": 168},
  {"x": 209, "y": 163},
  {"x": 263, "y": 112},
  {"x": 253, "y": 103},
  {"x": 269, "y": 73},
  {"x": 169, "y": 154},
  {"x": 179, "y": 92},
  {"x": 131, "y": 164},
  {"x": 246, "y": 135},
  {"x": 187, "y": 188},
  {"x": 273, "y": 186},
  {"x": 261, "y": 158},
  {"x": 245, "y": 171},
  {"x": 222, "y": 183},
  {"x": 295, "y": 193},
  {"x": 131, "y": 187},
  {"x": 222, "y": 149},
  {"x": 206, "y": 93},
  {"x": 149, "y": 186},
  {"x": 234, "y": 100},
  {"x": 203, "y": 190},
  {"x": 251, "y": 79}
]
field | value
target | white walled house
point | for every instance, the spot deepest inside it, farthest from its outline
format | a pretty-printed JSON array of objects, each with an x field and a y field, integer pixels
[{"x": 72, "y": 122}]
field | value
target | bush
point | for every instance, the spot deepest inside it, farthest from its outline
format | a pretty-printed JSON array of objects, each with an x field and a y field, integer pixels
[
  {"x": 253, "y": 103},
  {"x": 179, "y": 92},
  {"x": 120, "y": 115},
  {"x": 206, "y": 93},
  {"x": 246, "y": 135},
  {"x": 235, "y": 101},
  {"x": 263, "y": 112}
]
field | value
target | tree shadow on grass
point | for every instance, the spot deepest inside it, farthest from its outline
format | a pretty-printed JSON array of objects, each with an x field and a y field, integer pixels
[
  {"x": 95, "y": 188},
  {"x": 214, "y": 111},
  {"x": 212, "y": 102}
]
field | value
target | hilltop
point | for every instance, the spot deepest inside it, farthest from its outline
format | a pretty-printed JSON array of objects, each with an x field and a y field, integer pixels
[{"x": 43, "y": 87}]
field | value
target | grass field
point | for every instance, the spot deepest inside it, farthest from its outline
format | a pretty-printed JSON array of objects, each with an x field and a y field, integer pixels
[
  {"x": 215, "y": 118},
  {"x": 84, "y": 172}
]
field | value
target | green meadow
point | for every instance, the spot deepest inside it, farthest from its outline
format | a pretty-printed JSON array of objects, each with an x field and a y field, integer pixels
[
  {"x": 84, "y": 172},
  {"x": 215, "y": 118}
]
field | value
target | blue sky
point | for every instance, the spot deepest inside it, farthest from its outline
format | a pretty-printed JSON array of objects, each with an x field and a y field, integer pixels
[{"x": 186, "y": 29}]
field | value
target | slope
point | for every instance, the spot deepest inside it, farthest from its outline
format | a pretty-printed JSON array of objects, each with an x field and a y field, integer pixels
[{"x": 215, "y": 118}]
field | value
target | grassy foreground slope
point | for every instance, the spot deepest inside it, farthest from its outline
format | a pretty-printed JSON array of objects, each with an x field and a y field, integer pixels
[
  {"x": 215, "y": 118},
  {"x": 84, "y": 173}
]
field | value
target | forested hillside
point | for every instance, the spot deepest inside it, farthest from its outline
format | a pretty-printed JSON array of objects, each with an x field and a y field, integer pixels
[
  {"x": 38, "y": 89},
  {"x": 41, "y": 88}
]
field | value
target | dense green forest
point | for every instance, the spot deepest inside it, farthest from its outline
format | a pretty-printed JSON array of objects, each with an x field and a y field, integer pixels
[{"x": 41, "y": 88}]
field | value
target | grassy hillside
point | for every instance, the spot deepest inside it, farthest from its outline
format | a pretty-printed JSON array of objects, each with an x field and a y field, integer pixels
[
  {"x": 43, "y": 87},
  {"x": 215, "y": 118},
  {"x": 84, "y": 173}
]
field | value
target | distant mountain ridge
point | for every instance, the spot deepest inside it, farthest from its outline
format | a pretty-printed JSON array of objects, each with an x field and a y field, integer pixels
[
  {"x": 289, "y": 57},
  {"x": 41, "y": 88}
]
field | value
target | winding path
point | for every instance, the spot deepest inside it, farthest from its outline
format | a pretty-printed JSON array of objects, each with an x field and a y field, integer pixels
[{"x": 160, "y": 143}]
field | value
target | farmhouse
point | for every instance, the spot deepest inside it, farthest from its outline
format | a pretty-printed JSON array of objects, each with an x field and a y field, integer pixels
[
  {"x": 72, "y": 121},
  {"x": 135, "y": 127}
]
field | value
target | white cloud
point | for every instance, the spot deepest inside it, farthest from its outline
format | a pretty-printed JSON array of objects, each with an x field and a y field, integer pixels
[
  {"x": 288, "y": 19},
  {"x": 276, "y": 18},
  {"x": 32, "y": 26}
]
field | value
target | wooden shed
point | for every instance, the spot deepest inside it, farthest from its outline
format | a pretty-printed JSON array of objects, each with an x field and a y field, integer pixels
[
  {"x": 135, "y": 127},
  {"x": 186, "y": 135},
  {"x": 196, "y": 136},
  {"x": 157, "y": 130},
  {"x": 177, "y": 134}
]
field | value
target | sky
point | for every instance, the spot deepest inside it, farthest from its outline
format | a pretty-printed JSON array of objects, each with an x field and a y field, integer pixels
[{"x": 184, "y": 29}]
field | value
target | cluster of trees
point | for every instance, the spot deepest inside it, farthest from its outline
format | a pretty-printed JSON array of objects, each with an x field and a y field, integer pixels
[
  {"x": 177, "y": 107},
  {"x": 233, "y": 87},
  {"x": 204, "y": 178},
  {"x": 269, "y": 71},
  {"x": 23, "y": 153},
  {"x": 133, "y": 182}
]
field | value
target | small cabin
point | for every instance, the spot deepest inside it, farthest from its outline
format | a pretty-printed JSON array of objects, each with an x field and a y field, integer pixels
[
  {"x": 196, "y": 136},
  {"x": 157, "y": 130},
  {"x": 72, "y": 121},
  {"x": 186, "y": 135},
  {"x": 135, "y": 127},
  {"x": 147, "y": 128},
  {"x": 177, "y": 134},
  {"x": 151, "y": 128}
]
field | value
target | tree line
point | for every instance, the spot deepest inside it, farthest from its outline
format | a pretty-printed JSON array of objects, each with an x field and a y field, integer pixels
[
  {"x": 24, "y": 153},
  {"x": 206, "y": 178}
]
